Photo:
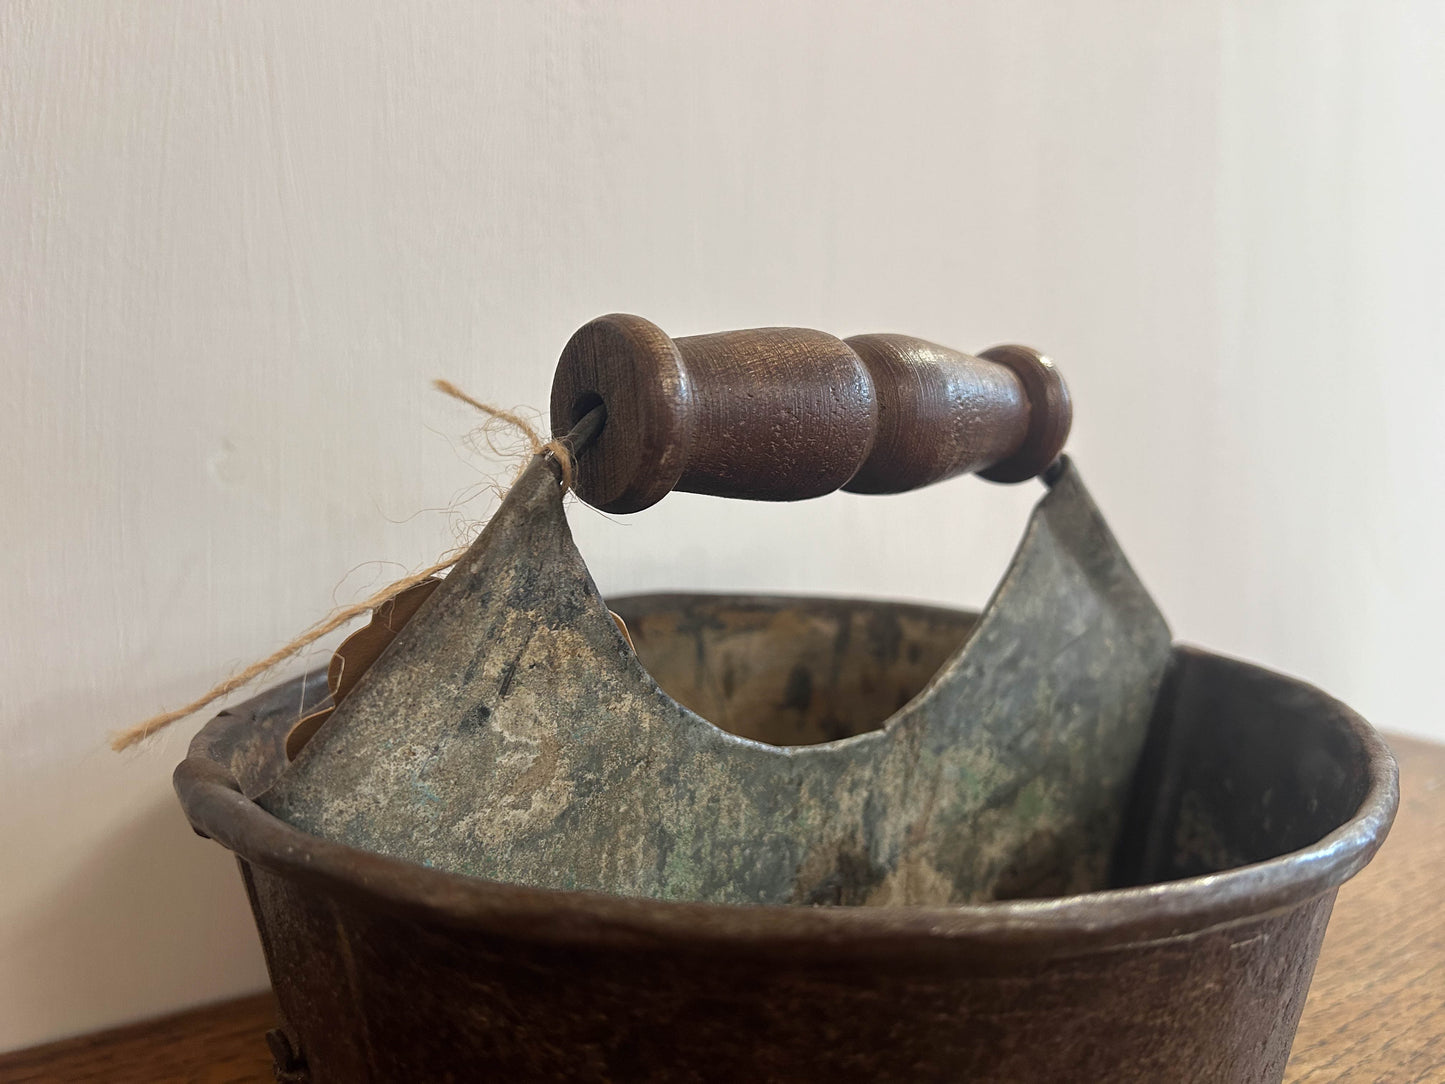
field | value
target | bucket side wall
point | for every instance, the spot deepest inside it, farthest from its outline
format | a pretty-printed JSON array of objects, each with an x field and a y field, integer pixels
[{"x": 373, "y": 996}]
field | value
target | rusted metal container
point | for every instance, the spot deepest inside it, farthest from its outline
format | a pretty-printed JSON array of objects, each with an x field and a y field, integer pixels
[
  {"x": 789, "y": 839},
  {"x": 1255, "y": 797}
]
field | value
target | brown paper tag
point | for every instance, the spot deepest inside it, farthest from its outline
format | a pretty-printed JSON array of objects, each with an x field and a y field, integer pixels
[
  {"x": 356, "y": 654},
  {"x": 622, "y": 628}
]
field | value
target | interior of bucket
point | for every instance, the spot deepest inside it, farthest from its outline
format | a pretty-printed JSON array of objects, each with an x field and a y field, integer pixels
[{"x": 791, "y": 671}]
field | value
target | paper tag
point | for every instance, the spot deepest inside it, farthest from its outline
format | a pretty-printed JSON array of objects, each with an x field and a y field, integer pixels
[{"x": 356, "y": 654}]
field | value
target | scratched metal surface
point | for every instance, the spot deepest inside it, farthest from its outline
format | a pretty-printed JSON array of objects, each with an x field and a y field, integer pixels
[{"x": 511, "y": 733}]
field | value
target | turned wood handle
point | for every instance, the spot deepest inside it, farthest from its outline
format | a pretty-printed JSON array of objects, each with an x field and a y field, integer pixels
[{"x": 781, "y": 414}]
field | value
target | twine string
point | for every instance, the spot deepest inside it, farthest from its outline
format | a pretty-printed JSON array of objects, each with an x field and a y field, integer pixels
[{"x": 559, "y": 451}]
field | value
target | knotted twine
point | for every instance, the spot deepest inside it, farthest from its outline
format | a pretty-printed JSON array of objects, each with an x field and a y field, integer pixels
[{"x": 337, "y": 618}]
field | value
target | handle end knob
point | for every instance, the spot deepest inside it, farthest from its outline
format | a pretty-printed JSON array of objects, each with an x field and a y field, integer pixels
[
  {"x": 632, "y": 367},
  {"x": 1051, "y": 413}
]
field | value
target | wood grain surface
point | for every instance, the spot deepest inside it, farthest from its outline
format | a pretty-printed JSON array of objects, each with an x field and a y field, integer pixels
[
  {"x": 783, "y": 414},
  {"x": 221, "y": 1044},
  {"x": 1376, "y": 1010}
]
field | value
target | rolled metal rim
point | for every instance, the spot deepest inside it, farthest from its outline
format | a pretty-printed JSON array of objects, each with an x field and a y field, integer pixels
[{"x": 1013, "y": 929}]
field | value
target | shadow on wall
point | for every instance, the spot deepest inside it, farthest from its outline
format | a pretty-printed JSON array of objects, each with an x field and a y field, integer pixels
[{"x": 154, "y": 920}]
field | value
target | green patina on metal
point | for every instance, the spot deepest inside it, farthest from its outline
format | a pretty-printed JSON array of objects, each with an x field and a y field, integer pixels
[{"x": 510, "y": 732}]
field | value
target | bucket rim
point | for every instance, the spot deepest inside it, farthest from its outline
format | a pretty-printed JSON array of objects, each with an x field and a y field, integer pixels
[{"x": 218, "y": 809}]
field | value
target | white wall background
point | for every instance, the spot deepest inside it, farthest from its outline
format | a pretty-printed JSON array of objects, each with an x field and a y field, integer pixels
[{"x": 237, "y": 239}]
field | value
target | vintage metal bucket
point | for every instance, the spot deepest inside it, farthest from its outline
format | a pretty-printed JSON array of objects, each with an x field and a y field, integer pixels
[{"x": 791, "y": 839}]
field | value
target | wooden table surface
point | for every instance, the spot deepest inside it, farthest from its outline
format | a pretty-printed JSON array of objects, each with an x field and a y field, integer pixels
[{"x": 1376, "y": 1010}]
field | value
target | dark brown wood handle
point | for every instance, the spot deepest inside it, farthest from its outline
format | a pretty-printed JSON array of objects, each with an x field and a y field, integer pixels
[{"x": 782, "y": 414}]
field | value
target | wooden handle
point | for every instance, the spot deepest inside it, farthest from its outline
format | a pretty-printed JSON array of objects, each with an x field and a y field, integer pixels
[{"x": 782, "y": 414}]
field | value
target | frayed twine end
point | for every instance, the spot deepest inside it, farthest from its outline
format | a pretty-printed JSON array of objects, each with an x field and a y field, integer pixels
[{"x": 559, "y": 451}]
